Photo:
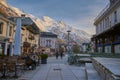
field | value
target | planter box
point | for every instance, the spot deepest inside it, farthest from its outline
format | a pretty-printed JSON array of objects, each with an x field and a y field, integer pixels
[{"x": 44, "y": 61}]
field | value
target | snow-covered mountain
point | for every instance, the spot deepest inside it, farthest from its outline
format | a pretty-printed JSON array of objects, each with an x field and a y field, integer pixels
[
  {"x": 61, "y": 28},
  {"x": 51, "y": 25}
]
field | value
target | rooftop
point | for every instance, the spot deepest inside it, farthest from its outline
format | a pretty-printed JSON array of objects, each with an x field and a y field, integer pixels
[
  {"x": 48, "y": 34},
  {"x": 29, "y": 23}
]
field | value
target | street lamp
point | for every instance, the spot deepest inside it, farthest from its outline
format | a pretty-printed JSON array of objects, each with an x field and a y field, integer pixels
[{"x": 68, "y": 45}]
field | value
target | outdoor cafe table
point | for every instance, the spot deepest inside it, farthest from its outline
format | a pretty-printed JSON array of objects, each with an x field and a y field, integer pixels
[{"x": 5, "y": 67}]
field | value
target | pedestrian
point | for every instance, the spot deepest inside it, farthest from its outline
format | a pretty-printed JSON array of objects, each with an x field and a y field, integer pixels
[
  {"x": 57, "y": 54},
  {"x": 28, "y": 62},
  {"x": 61, "y": 54},
  {"x": 34, "y": 61}
]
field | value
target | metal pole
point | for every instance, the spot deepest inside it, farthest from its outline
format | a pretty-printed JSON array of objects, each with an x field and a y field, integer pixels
[{"x": 68, "y": 45}]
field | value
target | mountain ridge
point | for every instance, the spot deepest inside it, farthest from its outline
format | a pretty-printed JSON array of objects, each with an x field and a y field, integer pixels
[{"x": 61, "y": 28}]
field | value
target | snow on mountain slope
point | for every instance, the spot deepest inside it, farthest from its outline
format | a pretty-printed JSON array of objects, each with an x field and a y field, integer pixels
[
  {"x": 57, "y": 27},
  {"x": 61, "y": 29}
]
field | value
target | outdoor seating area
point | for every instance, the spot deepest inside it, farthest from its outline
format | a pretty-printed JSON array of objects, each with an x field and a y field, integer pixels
[{"x": 15, "y": 66}]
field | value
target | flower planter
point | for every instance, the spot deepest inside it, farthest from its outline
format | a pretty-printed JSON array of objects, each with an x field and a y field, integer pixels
[{"x": 44, "y": 58}]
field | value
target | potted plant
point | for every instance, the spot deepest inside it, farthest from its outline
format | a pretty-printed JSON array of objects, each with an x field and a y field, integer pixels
[{"x": 44, "y": 58}]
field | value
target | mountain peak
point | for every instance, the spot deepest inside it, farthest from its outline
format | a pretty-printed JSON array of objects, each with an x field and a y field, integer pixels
[
  {"x": 47, "y": 19},
  {"x": 62, "y": 24}
]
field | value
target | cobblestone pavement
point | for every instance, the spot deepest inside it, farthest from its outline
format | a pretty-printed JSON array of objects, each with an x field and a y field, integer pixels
[{"x": 55, "y": 69}]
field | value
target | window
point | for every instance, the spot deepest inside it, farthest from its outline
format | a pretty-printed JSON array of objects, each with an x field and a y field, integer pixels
[
  {"x": 1, "y": 28},
  {"x": 103, "y": 25},
  {"x": 115, "y": 15},
  {"x": 108, "y": 22},
  {"x": 100, "y": 27},
  {"x": 10, "y": 31}
]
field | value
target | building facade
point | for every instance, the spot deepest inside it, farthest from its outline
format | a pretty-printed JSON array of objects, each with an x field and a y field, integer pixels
[
  {"x": 7, "y": 29},
  {"x": 7, "y": 32},
  {"x": 48, "y": 39},
  {"x": 107, "y": 37},
  {"x": 29, "y": 36},
  {"x": 18, "y": 34}
]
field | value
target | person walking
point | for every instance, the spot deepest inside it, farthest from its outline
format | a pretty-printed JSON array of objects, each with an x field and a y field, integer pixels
[
  {"x": 57, "y": 54},
  {"x": 61, "y": 54}
]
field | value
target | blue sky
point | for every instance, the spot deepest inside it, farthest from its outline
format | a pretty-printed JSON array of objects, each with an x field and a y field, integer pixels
[{"x": 77, "y": 13}]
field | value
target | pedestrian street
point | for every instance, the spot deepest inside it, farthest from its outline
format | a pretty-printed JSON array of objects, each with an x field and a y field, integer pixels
[{"x": 55, "y": 69}]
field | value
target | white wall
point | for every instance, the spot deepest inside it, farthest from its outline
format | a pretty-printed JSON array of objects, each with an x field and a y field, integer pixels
[
  {"x": 43, "y": 42},
  {"x": 117, "y": 49},
  {"x": 107, "y": 49},
  {"x": 99, "y": 49}
]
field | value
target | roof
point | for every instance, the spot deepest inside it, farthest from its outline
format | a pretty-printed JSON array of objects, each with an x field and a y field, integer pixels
[
  {"x": 48, "y": 34},
  {"x": 29, "y": 23}
]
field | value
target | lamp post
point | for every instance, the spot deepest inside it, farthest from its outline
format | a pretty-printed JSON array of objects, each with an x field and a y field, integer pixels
[{"x": 68, "y": 45}]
